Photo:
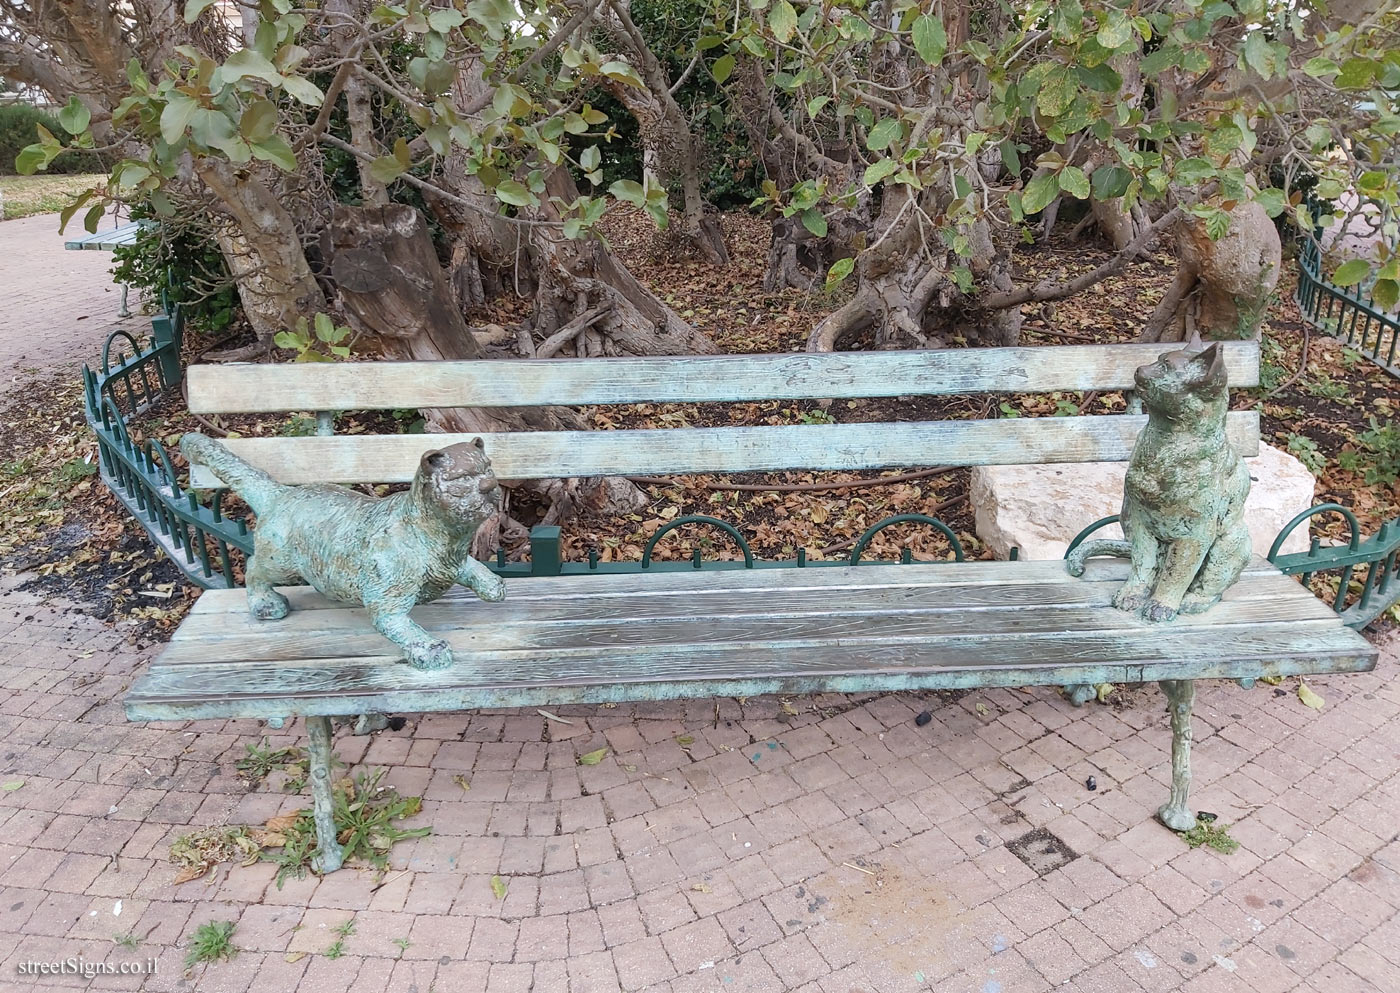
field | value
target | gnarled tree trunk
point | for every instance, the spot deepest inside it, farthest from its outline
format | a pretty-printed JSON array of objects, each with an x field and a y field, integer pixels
[{"x": 391, "y": 286}]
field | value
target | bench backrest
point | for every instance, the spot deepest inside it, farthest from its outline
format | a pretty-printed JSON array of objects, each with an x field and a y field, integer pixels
[{"x": 255, "y": 388}]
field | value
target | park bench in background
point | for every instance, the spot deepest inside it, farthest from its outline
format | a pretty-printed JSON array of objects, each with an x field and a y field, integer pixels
[
  {"x": 106, "y": 241},
  {"x": 669, "y": 630}
]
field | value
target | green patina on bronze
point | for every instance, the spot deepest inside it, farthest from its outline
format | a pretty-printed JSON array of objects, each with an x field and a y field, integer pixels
[
  {"x": 388, "y": 555},
  {"x": 1183, "y": 498}
]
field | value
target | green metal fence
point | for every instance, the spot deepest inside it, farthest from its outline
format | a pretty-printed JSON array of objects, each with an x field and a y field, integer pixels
[{"x": 1348, "y": 314}]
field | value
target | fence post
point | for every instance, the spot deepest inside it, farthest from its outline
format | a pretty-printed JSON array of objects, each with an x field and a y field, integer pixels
[
  {"x": 544, "y": 551},
  {"x": 163, "y": 333}
]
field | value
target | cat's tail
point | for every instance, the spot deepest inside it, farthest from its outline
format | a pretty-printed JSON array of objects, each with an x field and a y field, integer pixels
[
  {"x": 1116, "y": 547},
  {"x": 256, "y": 487}
]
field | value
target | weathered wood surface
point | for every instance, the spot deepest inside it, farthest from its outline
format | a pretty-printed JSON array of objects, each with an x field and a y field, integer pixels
[
  {"x": 254, "y": 388},
  {"x": 548, "y": 454},
  {"x": 602, "y": 639}
]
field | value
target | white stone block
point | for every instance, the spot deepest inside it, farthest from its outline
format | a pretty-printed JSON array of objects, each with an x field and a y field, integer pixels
[{"x": 1040, "y": 508}]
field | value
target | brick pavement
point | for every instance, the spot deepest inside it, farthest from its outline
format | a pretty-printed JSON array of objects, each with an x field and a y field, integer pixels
[
  {"x": 55, "y": 305},
  {"x": 727, "y": 846}
]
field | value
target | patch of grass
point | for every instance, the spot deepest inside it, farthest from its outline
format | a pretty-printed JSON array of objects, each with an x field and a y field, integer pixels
[
  {"x": 1212, "y": 834},
  {"x": 403, "y": 943},
  {"x": 211, "y": 942},
  {"x": 1379, "y": 458},
  {"x": 1327, "y": 388},
  {"x": 24, "y": 196},
  {"x": 261, "y": 760},
  {"x": 129, "y": 941},
  {"x": 342, "y": 931},
  {"x": 1307, "y": 453},
  {"x": 364, "y": 813}
]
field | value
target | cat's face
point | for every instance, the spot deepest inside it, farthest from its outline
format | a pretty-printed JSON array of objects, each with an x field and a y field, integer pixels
[
  {"x": 1183, "y": 383},
  {"x": 458, "y": 480}
]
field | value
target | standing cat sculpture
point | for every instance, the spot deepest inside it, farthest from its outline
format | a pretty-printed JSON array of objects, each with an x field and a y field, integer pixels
[
  {"x": 1183, "y": 498},
  {"x": 387, "y": 554}
]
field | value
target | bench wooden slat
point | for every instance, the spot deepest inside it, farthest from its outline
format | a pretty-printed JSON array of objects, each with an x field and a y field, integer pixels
[
  {"x": 834, "y": 581},
  {"x": 470, "y": 614},
  {"x": 1269, "y": 625},
  {"x": 547, "y": 454},
  {"x": 255, "y": 388}
]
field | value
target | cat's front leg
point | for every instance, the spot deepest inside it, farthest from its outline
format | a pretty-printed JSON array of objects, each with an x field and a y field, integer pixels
[
  {"x": 481, "y": 581},
  {"x": 1145, "y": 553},
  {"x": 422, "y": 650},
  {"x": 1179, "y": 567}
]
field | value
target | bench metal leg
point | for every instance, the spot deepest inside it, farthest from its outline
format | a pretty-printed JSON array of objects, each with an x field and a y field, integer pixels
[
  {"x": 330, "y": 855},
  {"x": 1176, "y": 813},
  {"x": 125, "y": 311}
]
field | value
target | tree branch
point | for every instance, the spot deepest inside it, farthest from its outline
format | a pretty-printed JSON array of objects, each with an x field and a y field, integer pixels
[{"x": 1043, "y": 291}]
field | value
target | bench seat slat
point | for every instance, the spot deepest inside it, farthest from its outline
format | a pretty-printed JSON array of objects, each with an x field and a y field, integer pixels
[
  {"x": 547, "y": 454},
  {"x": 834, "y": 581},
  {"x": 1270, "y": 625},
  {"x": 255, "y": 388}
]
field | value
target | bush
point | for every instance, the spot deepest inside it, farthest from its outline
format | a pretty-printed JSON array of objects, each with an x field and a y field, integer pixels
[
  {"x": 178, "y": 260},
  {"x": 18, "y": 128}
]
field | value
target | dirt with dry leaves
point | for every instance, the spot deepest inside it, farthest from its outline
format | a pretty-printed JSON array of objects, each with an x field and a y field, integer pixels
[{"x": 64, "y": 526}]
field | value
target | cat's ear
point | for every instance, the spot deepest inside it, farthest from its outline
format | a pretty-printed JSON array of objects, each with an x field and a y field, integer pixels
[
  {"x": 1212, "y": 360},
  {"x": 434, "y": 460},
  {"x": 480, "y": 445},
  {"x": 1195, "y": 345}
]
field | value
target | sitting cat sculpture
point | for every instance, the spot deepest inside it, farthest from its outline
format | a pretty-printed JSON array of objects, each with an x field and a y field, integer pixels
[
  {"x": 386, "y": 554},
  {"x": 1183, "y": 498}
]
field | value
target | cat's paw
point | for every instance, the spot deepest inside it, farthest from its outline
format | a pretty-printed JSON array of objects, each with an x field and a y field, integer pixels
[
  {"x": 492, "y": 590},
  {"x": 269, "y": 606},
  {"x": 1132, "y": 598},
  {"x": 1156, "y": 610},
  {"x": 433, "y": 655},
  {"x": 1197, "y": 603}
]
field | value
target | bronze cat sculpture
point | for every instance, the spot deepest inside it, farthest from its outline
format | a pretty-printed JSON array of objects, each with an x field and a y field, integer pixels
[
  {"x": 1183, "y": 498},
  {"x": 387, "y": 554}
]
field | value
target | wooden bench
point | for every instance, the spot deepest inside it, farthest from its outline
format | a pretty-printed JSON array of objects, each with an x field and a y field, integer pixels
[
  {"x": 724, "y": 630},
  {"x": 106, "y": 241}
]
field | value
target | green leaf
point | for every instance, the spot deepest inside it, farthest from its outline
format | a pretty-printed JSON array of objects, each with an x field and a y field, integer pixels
[
  {"x": 259, "y": 121},
  {"x": 93, "y": 218},
  {"x": 629, "y": 191},
  {"x": 246, "y": 62},
  {"x": 1057, "y": 92},
  {"x": 304, "y": 91},
  {"x": 930, "y": 39},
  {"x": 444, "y": 19},
  {"x": 1259, "y": 54},
  {"x": 815, "y": 105},
  {"x": 593, "y": 758},
  {"x": 814, "y": 221},
  {"x": 590, "y": 158},
  {"x": 1039, "y": 193},
  {"x": 839, "y": 270},
  {"x": 1272, "y": 200},
  {"x": 783, "y": 21},
  {"x": 1351, "y": 273},
  {"x": 13, "y": 785},
  {"x": 66, "y": 214},
  {"x": 723, "y": 67},
  {"x": 176, "y": 117},
  {"x": 386, "y": 169},
  {"x": 1319, "y": 66},
  {"x": 1193, "y": 170},
  {"x": 1386, "y": 293},
  {"x": 1102, "y": 78},
  {"x": 885, "y": 131},
  {"x": 286, "y": 339},
  {"x": 498, "y": 887},
  {"x": 31, "y": 159},
  {"x": 1109, "y": 182},
  {"x": 512, "y": 192},
  {"x": 275, "y": 150},
  {"x": 194, "y": 8},
  {"x": 1074, "y": 182},
  {"x": 75, "y": 117},
  {"x": 878, "y": 170},
  {"x": 1116, "y": 30}
]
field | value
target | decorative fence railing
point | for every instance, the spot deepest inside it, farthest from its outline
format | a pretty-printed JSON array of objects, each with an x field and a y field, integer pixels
[
  {"x": 1366, "y": 578},
  {"x": 1345, "y": 313},
  {"x": 204, "y": 542}
]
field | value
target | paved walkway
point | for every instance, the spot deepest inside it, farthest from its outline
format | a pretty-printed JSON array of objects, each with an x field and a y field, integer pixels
[
  {"x": 735, "y": 847},
  {"x": 55, "y": 306}
]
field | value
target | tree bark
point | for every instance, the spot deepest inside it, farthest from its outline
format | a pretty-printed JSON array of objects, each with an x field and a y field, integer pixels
[{"x": 391, "y": 286}]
